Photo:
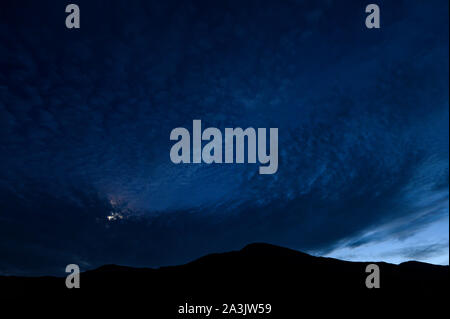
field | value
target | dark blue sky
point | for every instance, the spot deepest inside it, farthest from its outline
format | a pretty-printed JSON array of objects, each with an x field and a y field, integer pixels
[{"x": 85, "y": 118}]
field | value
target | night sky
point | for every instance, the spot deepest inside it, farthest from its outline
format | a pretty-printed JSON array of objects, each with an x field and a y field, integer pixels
[{"x": 86, "y": 114}]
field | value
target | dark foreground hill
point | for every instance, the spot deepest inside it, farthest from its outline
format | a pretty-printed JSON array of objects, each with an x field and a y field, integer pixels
[{"x": 293, "y": 283}]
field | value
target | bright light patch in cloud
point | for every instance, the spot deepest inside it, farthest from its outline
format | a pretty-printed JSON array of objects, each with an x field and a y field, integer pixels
[{"x": 429, "y": 244}]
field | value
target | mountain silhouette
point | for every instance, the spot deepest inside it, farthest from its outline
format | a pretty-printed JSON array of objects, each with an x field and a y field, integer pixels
[{"x": 289, "y": 280}]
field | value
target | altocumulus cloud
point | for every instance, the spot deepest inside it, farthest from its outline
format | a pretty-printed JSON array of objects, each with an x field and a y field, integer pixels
[{"x": 85, "y": 121}]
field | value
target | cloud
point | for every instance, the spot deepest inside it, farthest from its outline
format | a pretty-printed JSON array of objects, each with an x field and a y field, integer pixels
[
  {"x": 362, "y": 118},
  {"x": 426, "y": 241},
  {"x": 424, "y": 252}
]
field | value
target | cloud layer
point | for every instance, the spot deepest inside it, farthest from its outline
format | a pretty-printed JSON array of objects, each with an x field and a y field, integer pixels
[{"x": 86, "y": 116}]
